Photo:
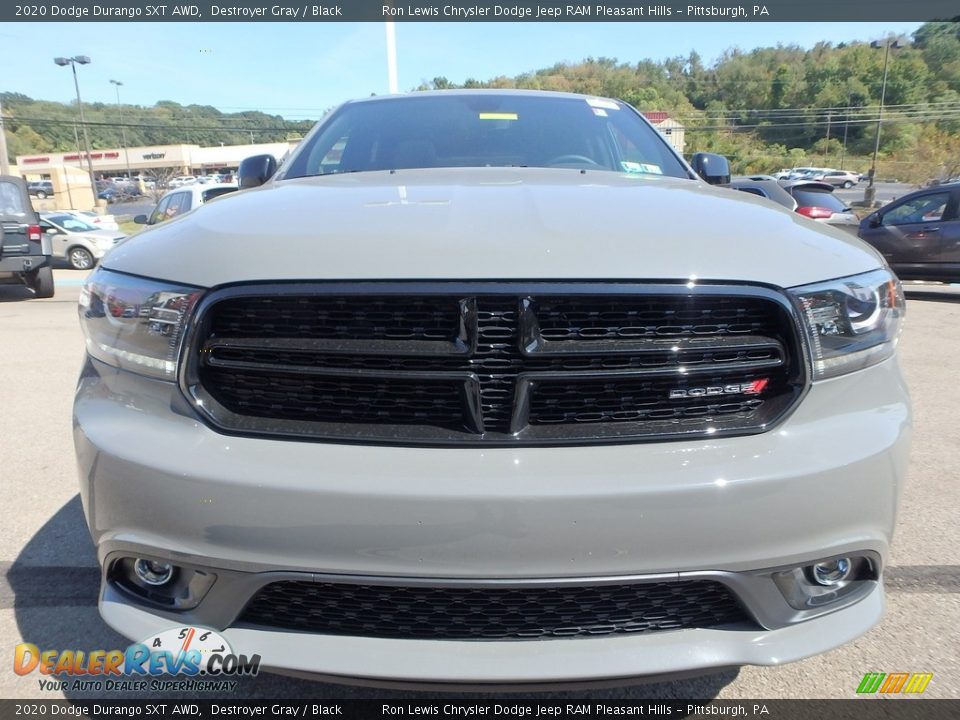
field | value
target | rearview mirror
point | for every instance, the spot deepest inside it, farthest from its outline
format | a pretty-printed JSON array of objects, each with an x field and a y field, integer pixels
[
  {"x": 255, "y": 171},
  {"x": 714, "y": 169},
  {"x": 140, "y": 219}
]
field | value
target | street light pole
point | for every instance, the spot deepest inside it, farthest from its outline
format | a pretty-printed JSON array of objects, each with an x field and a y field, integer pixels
[
  {"x": 391, "y": 31},
  {"x": 123, "y": 130},
  {"x": 4, "y": 161},
  {"x": 72, "y": 62},
  {"x": 870, "y": 193}
]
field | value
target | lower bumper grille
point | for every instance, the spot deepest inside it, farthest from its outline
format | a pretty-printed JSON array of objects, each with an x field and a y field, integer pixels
[{"x": 497, "y": 613}]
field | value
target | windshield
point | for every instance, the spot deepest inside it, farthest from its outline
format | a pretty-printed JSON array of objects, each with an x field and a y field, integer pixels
[
  {"x": 485, "y": 130},
  {"x": 69, "y": 222},
  {"x": 12, "y": 203}
]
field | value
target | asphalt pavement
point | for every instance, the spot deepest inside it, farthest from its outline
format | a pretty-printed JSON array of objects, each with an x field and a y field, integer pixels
[
  {"x": 48, "y": 575},
  {"x": 131, "y": 208},
  {"x": 885, "y": 192}
]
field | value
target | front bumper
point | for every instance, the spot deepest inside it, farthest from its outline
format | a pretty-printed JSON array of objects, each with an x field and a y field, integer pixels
[
  {"x": 156, "y": 481},
  {"x": 23, "y": 263}
]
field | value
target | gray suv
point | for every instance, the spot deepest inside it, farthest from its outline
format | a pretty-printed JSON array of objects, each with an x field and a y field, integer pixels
[{"x": 513, "y": 396}]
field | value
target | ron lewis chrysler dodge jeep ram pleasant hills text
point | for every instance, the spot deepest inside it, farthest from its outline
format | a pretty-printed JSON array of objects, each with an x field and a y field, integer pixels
[{"x": 490, "y": 387}]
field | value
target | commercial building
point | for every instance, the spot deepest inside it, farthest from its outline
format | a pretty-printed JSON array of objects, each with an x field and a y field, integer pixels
[{"x": 184, "y": 159}]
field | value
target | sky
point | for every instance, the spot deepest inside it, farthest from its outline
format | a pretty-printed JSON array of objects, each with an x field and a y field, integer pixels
[{"x": 299, "y": 70}]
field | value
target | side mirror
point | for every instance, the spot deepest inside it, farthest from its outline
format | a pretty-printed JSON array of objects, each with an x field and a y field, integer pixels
[
  {"x": 714, "y": 169},
  {"x": 875, "y": 220},
  {"x": 140, "y": 219},
  {"x": 255, "y": 171},
  {"x": 51, "y": 231}
]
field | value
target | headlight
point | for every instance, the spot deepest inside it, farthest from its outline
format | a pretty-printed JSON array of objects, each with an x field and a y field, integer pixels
[
  {"x": 852, "y": 322},
  {"x": 135, "y": 324}
]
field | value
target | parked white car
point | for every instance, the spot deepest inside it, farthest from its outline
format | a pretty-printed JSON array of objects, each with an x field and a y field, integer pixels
[
  {"x": 76, "y": 240},
  {"x": 181, "y": 180}
]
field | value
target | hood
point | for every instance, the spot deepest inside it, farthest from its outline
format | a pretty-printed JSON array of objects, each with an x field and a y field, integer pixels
[
  {"x": 492, "y": 224},
  {"x": 98, "y": 236}
]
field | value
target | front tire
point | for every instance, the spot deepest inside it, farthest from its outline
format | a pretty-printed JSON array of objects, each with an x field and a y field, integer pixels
[
  {"x": 41, "y": 194},
  {"x": 80, "y": 258},
  {"x": 847, "y": 185},
  {"x": 41, "y": 282}
]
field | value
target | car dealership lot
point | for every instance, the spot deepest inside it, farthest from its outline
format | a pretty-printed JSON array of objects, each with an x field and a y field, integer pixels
[{"x": 48, "y": 597}]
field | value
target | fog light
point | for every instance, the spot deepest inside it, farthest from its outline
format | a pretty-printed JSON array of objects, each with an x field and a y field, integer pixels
[
  {"x": 152, "y": 572},
  {"x": 161, "y": 583},
  {"x": 832, "y": 572}
]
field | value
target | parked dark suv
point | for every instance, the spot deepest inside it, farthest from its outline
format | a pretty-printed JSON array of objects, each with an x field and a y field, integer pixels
[
  {"x": 24, "y": 250},
  {"x": 919, "y": 234},
  {"x": 41, "y": 188}
]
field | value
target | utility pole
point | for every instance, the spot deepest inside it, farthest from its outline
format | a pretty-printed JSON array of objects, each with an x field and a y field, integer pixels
[
  {"x": 846, "y": 126},
  {"x": 4, "y": 161},
  {"x": 123, "y": 130},
  {"x": 826, "y": 147}
]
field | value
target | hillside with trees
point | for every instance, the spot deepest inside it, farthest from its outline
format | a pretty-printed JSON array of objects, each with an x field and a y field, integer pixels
[
  {"x": 765, "y": 109},
  {"x": 35, "y": 126}
]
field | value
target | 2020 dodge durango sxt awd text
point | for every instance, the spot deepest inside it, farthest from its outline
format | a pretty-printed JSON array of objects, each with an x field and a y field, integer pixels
[{"x": 489, "y": 387}]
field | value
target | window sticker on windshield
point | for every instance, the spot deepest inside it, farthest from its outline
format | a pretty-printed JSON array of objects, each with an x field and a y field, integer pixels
[
  {"x": 635, "y": 167},
  {"x": 499, "y": 116},
  {"x": 600, "y": 112},
  {"x": 603, "y": 104}
]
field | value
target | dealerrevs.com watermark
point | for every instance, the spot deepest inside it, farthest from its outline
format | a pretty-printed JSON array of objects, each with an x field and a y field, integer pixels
[{"x": 198, "y": 658}]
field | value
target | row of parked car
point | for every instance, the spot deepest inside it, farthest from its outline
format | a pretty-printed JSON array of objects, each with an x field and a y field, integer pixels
[
  {"x": 837, "y": 178},
  {"x": 116, "y": 189}
]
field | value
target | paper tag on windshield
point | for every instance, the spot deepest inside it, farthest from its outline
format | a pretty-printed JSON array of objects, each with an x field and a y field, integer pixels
[{"x": 635, "y": 167}]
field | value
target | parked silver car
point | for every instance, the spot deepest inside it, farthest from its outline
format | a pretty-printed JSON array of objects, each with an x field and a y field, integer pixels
[
  {"x": 817, "y": 201},
  {"x": 489, "y": 387},
  {"x": 840, "y": 178},
  {"x": 76, "y": 240},
  {"x": 811, "y": 199}
]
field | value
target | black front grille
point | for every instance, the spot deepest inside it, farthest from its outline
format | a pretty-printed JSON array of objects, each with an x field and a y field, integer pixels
[
  {"x": 492, "y": 613},
  {"x": 494, "y": 363},
  {"x": 304, "y": 316}
]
